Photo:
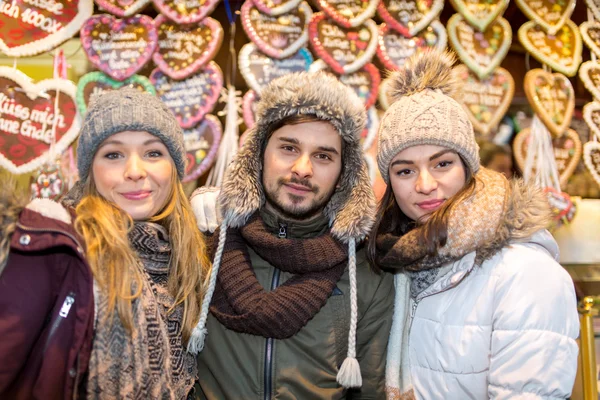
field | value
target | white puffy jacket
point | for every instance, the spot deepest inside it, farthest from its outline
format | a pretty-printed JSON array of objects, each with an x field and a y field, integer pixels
[{"x": 497, "y": 331}]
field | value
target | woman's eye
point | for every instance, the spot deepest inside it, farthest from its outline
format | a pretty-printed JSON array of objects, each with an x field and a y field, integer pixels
[
  {"x": 403, "y": 172},
  {"x": 112, "y": 155},
  {"x": 444, "y": 164},
  {"x": 155, "y": 153}
]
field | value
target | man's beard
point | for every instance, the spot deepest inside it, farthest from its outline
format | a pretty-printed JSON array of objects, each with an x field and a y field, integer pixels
[{"x": 294, "y": 211}]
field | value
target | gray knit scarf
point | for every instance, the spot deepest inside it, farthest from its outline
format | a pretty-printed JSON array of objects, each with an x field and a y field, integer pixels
[{"x": 151, "y": 363}]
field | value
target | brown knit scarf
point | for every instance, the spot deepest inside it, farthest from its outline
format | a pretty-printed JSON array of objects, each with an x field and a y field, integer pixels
[{"x": 242, "y": 304}]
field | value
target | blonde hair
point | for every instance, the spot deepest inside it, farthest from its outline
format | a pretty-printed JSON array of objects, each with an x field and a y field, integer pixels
[{"x": 116, "y": 266}]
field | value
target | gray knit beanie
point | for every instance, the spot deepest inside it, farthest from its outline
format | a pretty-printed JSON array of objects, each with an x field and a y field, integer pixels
[
  {"x": 424, "y": 113},
  {"x": 128, "y": 109}
]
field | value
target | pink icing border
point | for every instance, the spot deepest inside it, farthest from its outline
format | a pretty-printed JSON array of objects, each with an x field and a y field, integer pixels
[
  {"x": 247, "y": 101},
  {"x": 217, "y": 129}
]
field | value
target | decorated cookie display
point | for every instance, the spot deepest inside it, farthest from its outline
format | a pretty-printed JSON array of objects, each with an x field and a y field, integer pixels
[
  {"x": 186, "y": 11},
  {"x": 119, "y": 47},
  {"x": 394, "y": 49},
  {"x": 122, "y": 8},
  {"x": 551, "y": 15},
  {"x": 48, "y": 183},
  {"x": 562, "y": 52},
  {"x": 480, "y": 13},
  {"x": 364, "y": 82},
  {"x": 96, "y": 83},
  {"x": 345, "y": 50},
  {"x": 589, "y": 73},
  {"x": 590, "y": 32},
  {"x": 562, "y": 207},
  {"x": 409, "y": 17},
  {"x": 552, "y": 98},
  {"x": 370, "y": 133},
  {"x": 258, "y": 69},
  {"x": 30, "y": 27},
  {"x": 280, "y": 36},
  {"x": 27, "y": 117},
  {"x": 201, "y": 146},
  {"x": 567, "y": 152},
  {"x": 482, "y": 52},
  {"x": 594, "y": 7},
  {"x": 276, "y": 7},
  {"x": 349, "y": 13},
  {"x": 485, "y": 101},
  {"x": 184, "y": 49},
  {"x": 591, "y": 115},
  {"x": 249, "y": 108},
  {"x": 591, "y": 159},
  {"x": 192, "y": 98}
]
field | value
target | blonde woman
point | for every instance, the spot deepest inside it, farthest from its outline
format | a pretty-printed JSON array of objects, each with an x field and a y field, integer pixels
[{"x": 99, "y": 301}]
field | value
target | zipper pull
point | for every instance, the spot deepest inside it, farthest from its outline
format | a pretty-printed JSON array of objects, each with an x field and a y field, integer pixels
[
  {"x": 282, "y": 231},
  {"x": 66, "y": 306},
  {"x": 414, "y": 308}
]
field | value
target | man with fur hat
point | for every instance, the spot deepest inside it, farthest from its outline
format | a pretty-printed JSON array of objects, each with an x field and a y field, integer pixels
[{"x": 296, "y": 312}]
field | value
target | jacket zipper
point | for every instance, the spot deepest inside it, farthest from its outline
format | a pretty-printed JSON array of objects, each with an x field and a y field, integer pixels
[
  {"x": 62, "y": 314},
  {"x": 268, "y": 379}
]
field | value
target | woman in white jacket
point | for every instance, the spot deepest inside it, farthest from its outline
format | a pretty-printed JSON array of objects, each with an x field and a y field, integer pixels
[{"x": 483, "y": 310}]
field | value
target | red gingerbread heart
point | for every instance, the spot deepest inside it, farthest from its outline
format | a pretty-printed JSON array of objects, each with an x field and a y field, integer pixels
[
  {"x": 349, "y": 13},
  {"x": 201, "y": 144},
  {"x": 186, "y": 11},
  {"x": 122, "y": 8}
]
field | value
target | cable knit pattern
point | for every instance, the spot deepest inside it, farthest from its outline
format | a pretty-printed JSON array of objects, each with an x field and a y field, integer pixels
[{"x": 242, "y": 304}]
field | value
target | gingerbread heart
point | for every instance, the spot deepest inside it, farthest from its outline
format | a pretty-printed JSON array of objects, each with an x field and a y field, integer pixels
[
  {"x": 119, "y": 47},
  {"x": 249, "y": 108},
  {"x": 482, "y": 52},
  {"x": 186, "y": 11},
  {"x": 201, "y": 146},
  {"x": 485, "y": 101},
  {"x": 589, "y": 73},
  {"x": 550, "y": 15},
  {"x": 480, "y": 13},
  {"x": 276, "y": 7},
  {"x": 278, "y": 37},
  {"x": 594, "y": 7},
  {"x": 394, "y": 49},
  {"x": 122, "y": 9},
  {"x": 364, "y": 82},
  {"x": 567, "y": 152},
  {"x": 345, "y": 50},
  {"x": 192, "y": 98},
  {"x": 552, "y": 98},
  {"x": 183, "y": 50},
  {"x": 591, "y": 115},
  {"x": 409, "y": 17},
  {"x": 95, "y": 83},
  {"x": 370, "y": 133},
  {"x": 591, "y": 159},
  {"x": 562, "y": 52},
  {"x": 590, "y": 32},
  {"x": 258, "y": 69},
  {"x": 349, "y": 13},
  {"x": 27, "y": 119},
  {"x": 562, "y": 207},
  {"x": 30, "y": 27}
]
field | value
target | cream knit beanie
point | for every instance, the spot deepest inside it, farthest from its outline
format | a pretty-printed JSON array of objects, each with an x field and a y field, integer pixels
[{"x": 423, "y": 112}]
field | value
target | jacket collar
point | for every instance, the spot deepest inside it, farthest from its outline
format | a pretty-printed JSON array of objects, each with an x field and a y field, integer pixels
[{"x": 313, "y": 227}]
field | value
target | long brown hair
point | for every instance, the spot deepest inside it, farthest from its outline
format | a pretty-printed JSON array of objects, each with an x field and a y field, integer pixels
[
  {"x": 115, "y": 266},
  {"x": 434, "y": 233}
]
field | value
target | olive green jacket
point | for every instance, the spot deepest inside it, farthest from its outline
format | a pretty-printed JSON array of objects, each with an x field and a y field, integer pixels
[{"x": 243, "y": 366}]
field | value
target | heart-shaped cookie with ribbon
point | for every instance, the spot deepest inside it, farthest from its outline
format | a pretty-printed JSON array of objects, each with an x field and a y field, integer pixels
[
  {"x": 345, "y": 50},
  {"x": 249, "y": 108},
  {"x": 349, "y": 13},
  {"x": 591, "y": 115},
  {"x": 589, "y": 73},
  {"x": 280, "y": 36},
  {"x": 119, "y": 47},
  {"x": 30, "y": 27},
  {"x": 485, "y": 101},
  {"x": 184, "y": 49},
  {"x": 590, "y": 32},
  {"x": 394, "y": 49},
  {"x": 480, "y": 13},
  {"x": 27, "y": 118},
  {"x": 192, "y": 98},
  {"x": 364, "y": 82},
  {"x": 567, "y": 152},
  {"x": 95, "y": 83},
  {"x": 276, "y": 7},
  {"x": 482, "y": 52},
  {"x": 201, "y": 146},
  {"x": 409, "y": 17},
  {"x": 550, "y": 15},
  {"x": 552, "y": 98},
  {"x": 186, "y": 11},
  {"x": 591, "y": 159},
  {"x": 259, "y": 70},
  {"x": 122, "y": 9},
  {"x": 594, "y": 7},
  {"x": 562, "y": 52}
]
